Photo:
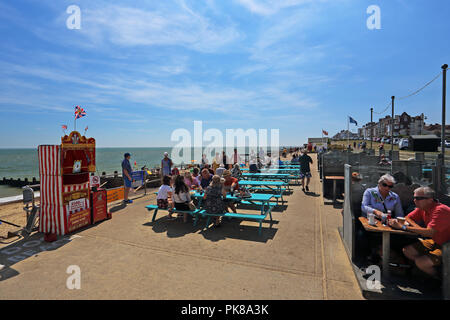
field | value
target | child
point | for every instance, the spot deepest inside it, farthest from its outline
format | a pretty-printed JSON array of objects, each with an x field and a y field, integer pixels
[{"x": 164, "y": 192}]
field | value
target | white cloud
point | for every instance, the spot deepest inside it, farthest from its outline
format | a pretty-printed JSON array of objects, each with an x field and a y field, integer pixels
[
  {"x": 270, "y": 7},
  {"x": 154, "y": 24}
]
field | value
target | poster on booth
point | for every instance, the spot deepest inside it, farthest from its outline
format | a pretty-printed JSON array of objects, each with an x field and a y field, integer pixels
[
  {"x": 79, "y": 214},
  {"x": 77, "y": 205},
  {"x": 138, "y": 177}
]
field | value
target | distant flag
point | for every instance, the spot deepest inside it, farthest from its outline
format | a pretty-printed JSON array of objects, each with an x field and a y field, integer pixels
[
  {"x": 64, "y": 127},
  {"x": 85, "y": 129},
  {"x": 79, "y": 112},
  {"x": 324, "y": 132},
  {"x": 352, "y": 120}
]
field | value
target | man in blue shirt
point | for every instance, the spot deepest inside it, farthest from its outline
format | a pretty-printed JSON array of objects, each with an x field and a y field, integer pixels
[
  {"x": 379, "y": 199},
  {"x": 206, "y": 179},
  {"x": 127, "y": 179}
]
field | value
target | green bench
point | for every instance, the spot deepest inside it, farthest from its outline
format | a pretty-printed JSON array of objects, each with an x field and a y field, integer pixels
[{"x": 152, "y": 207}]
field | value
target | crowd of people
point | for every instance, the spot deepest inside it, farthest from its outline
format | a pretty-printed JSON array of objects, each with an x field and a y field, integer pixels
[{"x": 214, "y": 182}]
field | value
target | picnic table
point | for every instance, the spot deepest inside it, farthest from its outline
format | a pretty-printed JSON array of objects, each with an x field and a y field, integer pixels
[
  {"x": 386, "y": 231},
  {"x": 276, "y": 187},
  {"x": 267, "y": 176},
  {"x": 262, "y": 200},
  {"x": 273, "y": 170},
  {"x": 334, "y": 178},
  {"x": 259, "y": 199}
]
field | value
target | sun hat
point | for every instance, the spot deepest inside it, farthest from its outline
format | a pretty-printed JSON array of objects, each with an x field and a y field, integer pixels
[
  {"x": 166, "y": 153},
  {"x": 226, "y": 173}
]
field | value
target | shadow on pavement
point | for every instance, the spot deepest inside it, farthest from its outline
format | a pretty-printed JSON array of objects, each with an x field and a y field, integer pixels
[
  {"x": 174, "y": 228},
  {"x": 233, "y": 229},
  {"x": 25, "y": 248}
]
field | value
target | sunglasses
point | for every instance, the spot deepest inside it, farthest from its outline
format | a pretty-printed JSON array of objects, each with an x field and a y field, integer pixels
[
  {"x": 421, "y": 198},
  {"x": 387, "y": 185}
]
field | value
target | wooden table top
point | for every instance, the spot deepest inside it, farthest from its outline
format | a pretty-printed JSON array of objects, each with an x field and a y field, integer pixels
[
  {"x": 334, "y": 177},
  {"x": 380, "y": 228}
]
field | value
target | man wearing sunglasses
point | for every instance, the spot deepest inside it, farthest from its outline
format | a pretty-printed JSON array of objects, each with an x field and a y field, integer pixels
[
  {"x": 431, "y": 219},
  {"x": 378, "y": 200}
]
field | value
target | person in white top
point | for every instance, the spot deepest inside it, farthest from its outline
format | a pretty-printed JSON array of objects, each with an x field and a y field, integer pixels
[{"x": 164, "y": 193}]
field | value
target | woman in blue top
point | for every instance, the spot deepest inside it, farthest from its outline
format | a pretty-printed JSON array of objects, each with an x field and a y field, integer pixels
[{"x": 380, "y": 199}]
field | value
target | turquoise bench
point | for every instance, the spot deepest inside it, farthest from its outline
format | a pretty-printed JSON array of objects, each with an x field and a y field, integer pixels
[
  {"x": 152, "y": 207},
  {"x": 265, "y": 188},
  {"x": 252, "y": 203},
  {"x": 257, "y": 217}
]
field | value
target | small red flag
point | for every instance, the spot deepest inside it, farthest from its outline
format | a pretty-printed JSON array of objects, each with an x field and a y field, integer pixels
[{"x": 324, "y": 132}]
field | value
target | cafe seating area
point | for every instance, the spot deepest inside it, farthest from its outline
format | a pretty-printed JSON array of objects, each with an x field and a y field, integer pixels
[{"x": 398, "y": 281}]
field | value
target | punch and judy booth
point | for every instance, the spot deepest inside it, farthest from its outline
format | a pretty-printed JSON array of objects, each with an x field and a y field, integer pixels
[{"x": 65, "y": 190}]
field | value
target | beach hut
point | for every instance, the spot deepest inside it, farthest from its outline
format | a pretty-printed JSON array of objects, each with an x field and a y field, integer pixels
[{"x": 64, "y": 172}]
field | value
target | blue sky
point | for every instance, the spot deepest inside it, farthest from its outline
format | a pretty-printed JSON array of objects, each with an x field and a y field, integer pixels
[{"x": 142, "y": 69}]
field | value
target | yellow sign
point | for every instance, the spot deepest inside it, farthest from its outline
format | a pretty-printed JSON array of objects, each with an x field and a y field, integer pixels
[{"x": 114, "y": 194}]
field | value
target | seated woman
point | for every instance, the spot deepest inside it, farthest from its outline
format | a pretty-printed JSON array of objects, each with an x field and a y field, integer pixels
[
  {"x": 191, "y": 182},
  {"x": 213, "y": 198},
  {"x": 230, "y": 185},
  {"x": 195, "y": 174},
  {"x": 182, "y": 197}
]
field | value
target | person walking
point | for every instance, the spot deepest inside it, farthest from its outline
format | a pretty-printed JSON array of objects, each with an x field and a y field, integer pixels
[
  {"x": 305, "y": 171},
  {"x": 236, "y": 157},
  {"x": 127, "y": 179}
]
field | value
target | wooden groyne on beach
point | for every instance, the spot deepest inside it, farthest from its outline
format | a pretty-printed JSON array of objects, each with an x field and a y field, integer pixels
[{"x": 112, "y": 181}]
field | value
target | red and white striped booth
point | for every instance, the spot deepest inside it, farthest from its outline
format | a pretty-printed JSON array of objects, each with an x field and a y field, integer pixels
[{"x": 65, "y": 203}]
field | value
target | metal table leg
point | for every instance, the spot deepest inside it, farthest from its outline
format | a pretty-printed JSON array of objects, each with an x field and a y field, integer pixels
[
  {"x": 334, "y": 190},
  {"x": 386, "y": 253}
]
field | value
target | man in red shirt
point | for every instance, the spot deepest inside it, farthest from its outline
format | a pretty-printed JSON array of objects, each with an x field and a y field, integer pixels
[{"x": 430, "y": 219}]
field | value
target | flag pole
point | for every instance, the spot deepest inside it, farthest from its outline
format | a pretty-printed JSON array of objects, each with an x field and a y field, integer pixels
[{"x": 348, "y": 131}]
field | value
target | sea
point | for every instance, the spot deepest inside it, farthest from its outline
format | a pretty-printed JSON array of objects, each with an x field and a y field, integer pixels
[{"x": 23, "y": 163}]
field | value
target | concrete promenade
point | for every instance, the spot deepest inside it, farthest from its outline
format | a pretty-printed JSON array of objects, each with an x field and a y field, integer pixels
[{"x": 129, "y": 257}]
